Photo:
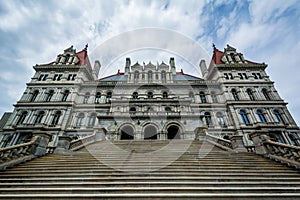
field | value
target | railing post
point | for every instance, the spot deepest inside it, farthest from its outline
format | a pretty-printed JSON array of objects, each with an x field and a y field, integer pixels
[
  {"x": 63, "y": 144},
  {"x": 237, "y": 143},
  {"x": 259, "y": 137},
  {"x": 43, "y": 139}
]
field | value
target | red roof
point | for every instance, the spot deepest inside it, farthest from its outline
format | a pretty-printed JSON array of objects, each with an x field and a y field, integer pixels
[
  {"x": 217, "y": 55},
  {"x": 84, "y": 58}
]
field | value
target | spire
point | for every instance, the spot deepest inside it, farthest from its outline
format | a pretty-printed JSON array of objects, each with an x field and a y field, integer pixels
[{"x": 86, "y": 46}]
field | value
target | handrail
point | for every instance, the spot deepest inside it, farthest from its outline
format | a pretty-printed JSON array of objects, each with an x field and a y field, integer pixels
[
  {"x": 283, "y": 152},
  {"x": 79, "y": 143},
  {"x": 13, "y": 155},
  {"x": 222, "y": 143}
]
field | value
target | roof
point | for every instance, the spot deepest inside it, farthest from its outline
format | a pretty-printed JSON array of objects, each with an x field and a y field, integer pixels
[
  {"x": 84, "y": 58},
  {"x": 4, "y": 119},
  {"x": 180, "y": 76}
]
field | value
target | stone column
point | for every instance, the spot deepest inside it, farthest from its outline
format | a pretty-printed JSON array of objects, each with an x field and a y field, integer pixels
[
  {"x": 43, "y": 140},
  {"x": 237, "y": 143},
  {"x": 63, "y": 144},
  {"x": 258, "y": 138}
]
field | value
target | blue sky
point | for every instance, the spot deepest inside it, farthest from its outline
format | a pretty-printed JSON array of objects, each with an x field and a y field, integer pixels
[{"x": 34, "y": 32}]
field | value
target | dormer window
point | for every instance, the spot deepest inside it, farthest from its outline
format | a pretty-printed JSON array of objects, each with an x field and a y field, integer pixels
[
  {"x": 135, "y": 95},
  {"x": 150, "y": 95},
  {"x": 67, "y": 57}
]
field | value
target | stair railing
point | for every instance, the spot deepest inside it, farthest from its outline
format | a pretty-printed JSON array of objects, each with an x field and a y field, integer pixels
[
  {"x": 220, "y": 142},
  {"x": 79, "y": 143},
  {"x": 283, "y": 152},
  {"x": 13, "y": 155}
]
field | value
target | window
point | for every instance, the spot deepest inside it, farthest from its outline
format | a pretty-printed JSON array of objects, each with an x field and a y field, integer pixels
[
  {"x": 132, "y": 109},
  {"x": 207, "y": 118},
  {"x": 192, "y": 96},
  {"x": 266, "y": 94},
  {"x": 202, "y": 97},
  {"x": 136, "y": 76},
  {"x": 214, "y": 97},
  {"x": 278, "y": 116},
  {"x": 168, "y": 109},
  {"x": 254, "y": 76},
  {"x": 71, "y": 77},
  {"x": 65, "y": 95},
  {"x": 244, "y": 117},
  {"x": 261, "y": 116},
  {"x": 22, "y": 118},
  {"x": 241, "y": 76},
  {"x": 108, "y": 97},
  {"x": 39, "y": 117},
  {"x": 220, "y": 119},
  {"x": 259, "y": 76},
  {"x": 86, "y": 98},
  {"x": 230, "y": 75},
  {"x": 56, "y": 118},
  {"x": 149, "y": 76},
  {"x": 67, "y": 57},
  {"x": 135, "y": 95},
  {"x": 50, "y": 95},
  {"x": 235, "y": 95},
  {"x": 250, "y": 94},
  {"x": 97, "y": 97},
  {"x": 80, "y": 120},
  {"x": 43, "y": 77},
  {"x": 245, "y": 76},
  {"x": 226, "y": 76},
  {"x": 92, "y": 120},
  {"x": 163, "y": 76},
  {"x": 34, "y": 96},
  {"x": 150, "y": 95},
  {"x": 150, "y": 109},
  {"x": 57, "y": 77},
  {"x": 165, "y": 95}
]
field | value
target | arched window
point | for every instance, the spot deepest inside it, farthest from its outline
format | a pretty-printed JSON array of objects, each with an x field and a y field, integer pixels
[
  {"x": 56, "y": 118},
  {"x": 65, "y": 95},
  {"x": 39, "y": 117},
  {"x": 135, "y": 95},
  {"x": 168, "y": 109},
  {"x": 34, "y": 96},
  {"x": 244, "y": 117},
  {"x": 97, "y": 97},
  {"x": 250, "y": 94},
  {"x": 22, "y": 117},
  {"x": 132, "y": 109},
  {"x": 67, "y": 57},
  {"x": 149, "y": 76},
  {"x": 220, "y": 119},
  {"x": 214, "y": 97},
  {"x": 50, "y": 95},
  {"x": 278, "y": 116},
  {"x": 202, "y": 97},
  {"x": 261, "y": 116},
  {"x": 108, "y": 97},
  {"x": 266, "y": 94},
  {"x": 207, "y": 118},
  {"x": 163, "y": 76},
  {"x": 235, "y": 95},
  {"x": 86, "y": 98},
  {"x": 165, "y": 95},
  {"x": 92, "y": 120},
  {"x": 80, "y": 120},
  {"x": 136, "y": 76},
  {"x": 150, "y": 95}
]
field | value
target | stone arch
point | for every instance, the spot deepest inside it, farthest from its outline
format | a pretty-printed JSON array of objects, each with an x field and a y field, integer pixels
[
  {"x": 127, "y": 132},
  {"x": 173, "y": 131},
  {"x": 150, "y": 132}
]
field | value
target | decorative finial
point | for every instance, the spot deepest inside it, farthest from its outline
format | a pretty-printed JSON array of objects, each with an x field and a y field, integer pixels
[
  {"x": 214, "y": 46},
  {"x": 86, "y": 46}
]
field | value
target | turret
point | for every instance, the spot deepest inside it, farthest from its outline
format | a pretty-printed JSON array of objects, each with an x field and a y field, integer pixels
[
  {"x": 172, "y": 64},
  {"x": 96, "y": 69},
  {"x": 127, "y": 66},
  {"x": 203, "y": 68}
]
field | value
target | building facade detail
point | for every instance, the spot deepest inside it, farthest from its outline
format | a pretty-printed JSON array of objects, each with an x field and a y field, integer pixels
[{"x": 150, "y": 101}]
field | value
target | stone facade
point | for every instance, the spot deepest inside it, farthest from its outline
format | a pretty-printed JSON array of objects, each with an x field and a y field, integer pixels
[{"x": 147, "y": 101}]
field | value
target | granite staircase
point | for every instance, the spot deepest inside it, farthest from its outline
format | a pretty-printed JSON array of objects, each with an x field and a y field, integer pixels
[{"x": 176, "y": 169}]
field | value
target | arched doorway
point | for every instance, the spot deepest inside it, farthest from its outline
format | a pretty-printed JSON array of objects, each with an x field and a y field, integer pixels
[
  {"x": 127, "y": 133},
  {"x": 150, "y": 133},
  {"x": 173, "y": 132}
]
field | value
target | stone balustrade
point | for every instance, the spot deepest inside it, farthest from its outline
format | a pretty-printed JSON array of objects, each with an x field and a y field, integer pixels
[
  {"x": 222, "y": 143},
  {"x": 79, "y": 143}
]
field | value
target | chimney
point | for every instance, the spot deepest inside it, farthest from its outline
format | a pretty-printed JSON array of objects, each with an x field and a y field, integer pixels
[
  {"x": 172, "y": 65},
  {"x": 96, "y": 69}
]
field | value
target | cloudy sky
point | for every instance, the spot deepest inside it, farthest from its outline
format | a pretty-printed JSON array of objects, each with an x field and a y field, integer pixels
[{"x": 34, "y": 32}]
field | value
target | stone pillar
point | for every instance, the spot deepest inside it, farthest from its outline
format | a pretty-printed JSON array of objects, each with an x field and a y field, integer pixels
[
  {"x": 43, "y": 140},
  {"x": 237, "y": 143},
  {"x": 258, "y": 138},
  {"x": 63, "y": 144}
]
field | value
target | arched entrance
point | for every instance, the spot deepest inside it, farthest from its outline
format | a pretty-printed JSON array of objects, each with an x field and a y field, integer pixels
[
  {"x": 127, "y": 133},
  {"x": 150, "y": 133},
  {"x": 173, "y": 132}
]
